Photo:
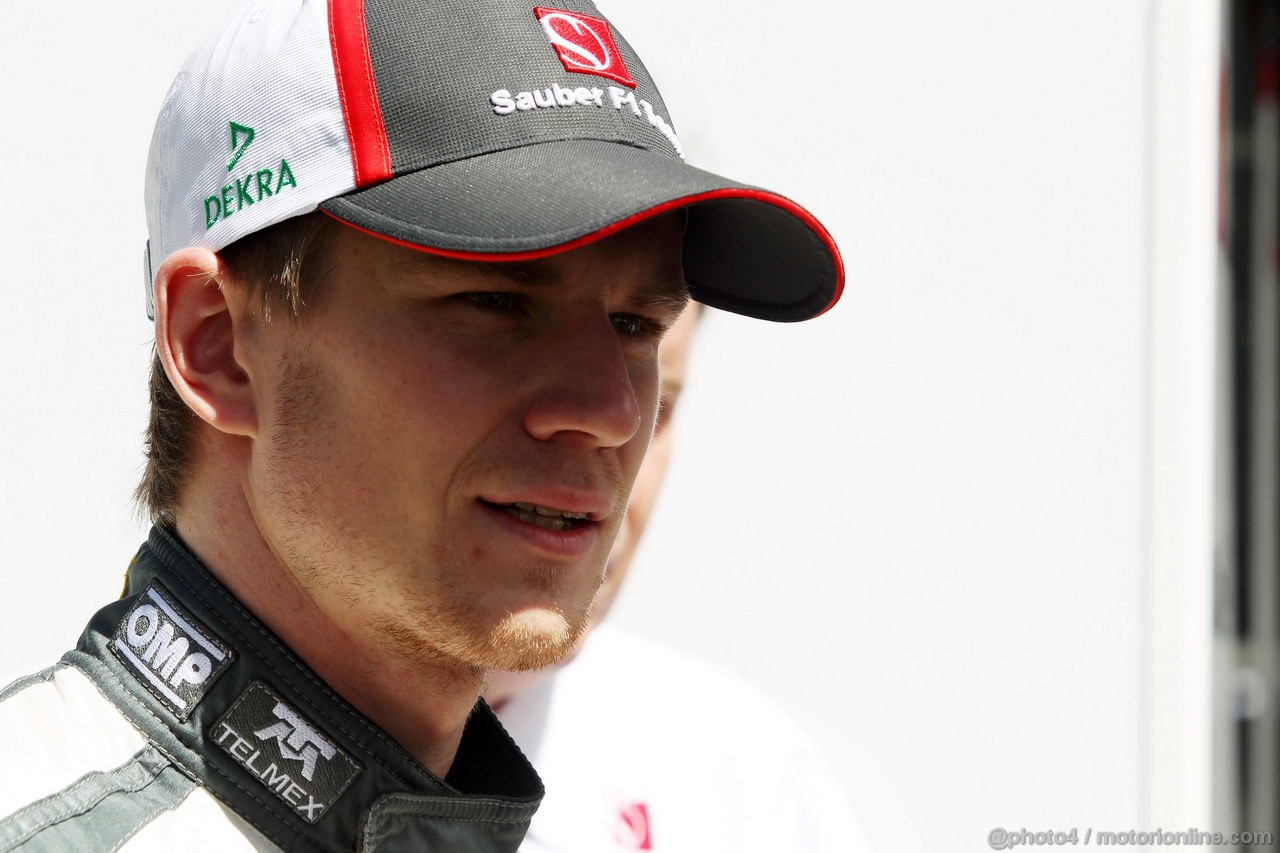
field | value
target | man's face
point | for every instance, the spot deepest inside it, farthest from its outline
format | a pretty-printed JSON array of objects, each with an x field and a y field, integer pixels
[{"x": 445, "y": 449}]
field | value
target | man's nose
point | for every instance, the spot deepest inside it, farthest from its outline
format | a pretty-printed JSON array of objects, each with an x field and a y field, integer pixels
[{"x": 586, "y": 391}]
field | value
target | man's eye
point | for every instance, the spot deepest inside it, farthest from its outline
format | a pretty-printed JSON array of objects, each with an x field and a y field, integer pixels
[
  {"x": 635, "y": 326},
  {"x": 490, "y": 300}
]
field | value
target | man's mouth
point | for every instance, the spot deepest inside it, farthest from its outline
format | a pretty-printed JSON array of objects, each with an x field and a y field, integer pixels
[{"x": 546, "y": 517}]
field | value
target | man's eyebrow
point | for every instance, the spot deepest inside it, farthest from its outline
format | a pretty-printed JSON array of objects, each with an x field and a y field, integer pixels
[{"x": 667, "y": 298}]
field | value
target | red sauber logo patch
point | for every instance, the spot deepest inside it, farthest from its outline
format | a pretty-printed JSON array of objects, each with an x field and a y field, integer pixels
[{"x": 584, "y": 44}]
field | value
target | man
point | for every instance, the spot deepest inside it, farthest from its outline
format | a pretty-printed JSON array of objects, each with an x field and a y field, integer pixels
[
  {"x": 409, "y": 265},
  {"x": 629, "y": 764}
]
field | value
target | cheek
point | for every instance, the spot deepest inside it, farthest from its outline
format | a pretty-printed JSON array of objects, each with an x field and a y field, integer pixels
[
  {"x": 421, "y": 388},
  {"x": 412, "y": 380},
  {"x": 388, "y": 423}
]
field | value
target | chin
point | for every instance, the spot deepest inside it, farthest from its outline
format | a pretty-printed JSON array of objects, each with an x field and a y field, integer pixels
[{"x": 532, "y": 639}]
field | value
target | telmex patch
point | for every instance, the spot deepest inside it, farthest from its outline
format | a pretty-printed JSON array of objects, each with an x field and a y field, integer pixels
[{"x": 284, "y": 751}]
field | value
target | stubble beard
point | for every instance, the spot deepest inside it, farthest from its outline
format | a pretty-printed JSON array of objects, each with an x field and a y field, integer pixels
[
  {"x": 453, "y": 632},
  {"x": 430, "y": 626},
  {"x": 442, "y": 625}
]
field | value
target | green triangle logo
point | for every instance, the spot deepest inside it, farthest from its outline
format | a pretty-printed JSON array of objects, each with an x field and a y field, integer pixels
[{"x": 241, "y": 137}]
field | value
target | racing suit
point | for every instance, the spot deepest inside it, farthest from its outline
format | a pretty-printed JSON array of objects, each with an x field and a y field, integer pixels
[{"x": 180, "y": 722}]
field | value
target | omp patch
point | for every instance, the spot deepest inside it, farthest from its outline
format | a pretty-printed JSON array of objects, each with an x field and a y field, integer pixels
[
  {"x": 284, "y": 751},
  {"x": 173, "y": 655},
  {"x": 584, "y": 44}
]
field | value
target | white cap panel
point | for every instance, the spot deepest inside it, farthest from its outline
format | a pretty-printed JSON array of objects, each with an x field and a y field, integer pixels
[{"x": 251, "y": 132}]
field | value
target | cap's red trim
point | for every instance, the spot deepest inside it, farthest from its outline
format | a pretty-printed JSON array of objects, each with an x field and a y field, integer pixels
[
  {"x": 370, "y": 154},
  {"x": 733, "y": 192}
]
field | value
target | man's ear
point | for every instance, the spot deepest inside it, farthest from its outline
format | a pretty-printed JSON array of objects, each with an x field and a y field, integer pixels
[{"x": 195, "y": 338}]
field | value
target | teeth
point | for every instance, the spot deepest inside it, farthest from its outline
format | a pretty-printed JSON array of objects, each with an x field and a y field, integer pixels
[
  {"x": 547, "y": 512},
  {"x": 550, "y": 522}
]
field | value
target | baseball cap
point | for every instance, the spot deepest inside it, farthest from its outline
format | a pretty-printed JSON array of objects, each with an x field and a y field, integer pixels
[{"x": 488, "y": 131}]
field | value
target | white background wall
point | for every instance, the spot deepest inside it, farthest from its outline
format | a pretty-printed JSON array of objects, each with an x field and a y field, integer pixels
[{"x": 924, "y": 522}]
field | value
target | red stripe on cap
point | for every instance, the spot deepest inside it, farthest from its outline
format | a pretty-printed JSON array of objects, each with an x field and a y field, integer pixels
[
  {"x": 370, "y": 155},
  {"x": 634, "y": 219}
]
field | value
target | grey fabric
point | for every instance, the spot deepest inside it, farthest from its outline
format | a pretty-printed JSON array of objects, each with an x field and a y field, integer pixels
[
  {"x": 436, "y": 64},
  {"x": 101, "y": 810},
  {"x": 522, "y": 199},
  {"x": 30, "y": 680},
  {"x": 411, "y": 822}
]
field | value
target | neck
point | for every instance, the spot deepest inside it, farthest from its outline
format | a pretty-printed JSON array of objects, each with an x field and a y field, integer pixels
[
  {"x": 422, "y": 704},
  {"x": 502, "y": 686}
]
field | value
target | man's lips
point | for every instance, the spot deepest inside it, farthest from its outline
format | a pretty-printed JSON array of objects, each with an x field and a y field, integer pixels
[
  {"x": 548, "y": 518},
  {"x": 532, "y": 505},
  {"x": 557, "y": 531}
]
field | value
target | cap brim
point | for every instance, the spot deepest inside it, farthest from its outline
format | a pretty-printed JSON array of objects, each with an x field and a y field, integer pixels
[{"x": 746, "y": 250}]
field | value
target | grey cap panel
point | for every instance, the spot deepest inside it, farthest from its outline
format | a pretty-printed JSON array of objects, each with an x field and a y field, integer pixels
[
  {"x": 437, "y": 64},
  {"x": 523, "y": 199}
]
